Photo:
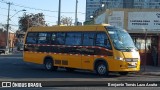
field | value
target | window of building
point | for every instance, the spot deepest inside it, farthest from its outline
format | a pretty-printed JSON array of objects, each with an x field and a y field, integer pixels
[
  {"x": 140, "y": 44},
  {"x": 73, "y": 38}
]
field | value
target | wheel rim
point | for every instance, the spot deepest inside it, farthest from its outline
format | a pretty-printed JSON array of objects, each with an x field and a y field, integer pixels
[
  {"x": 101, "y": 69},
  {"x": 48, "y": 65}
]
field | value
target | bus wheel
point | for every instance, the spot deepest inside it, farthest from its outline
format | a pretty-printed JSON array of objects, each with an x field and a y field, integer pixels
[
  {"x": 69, "y": 69},
  {"x": 123, "y": 73},
  {"x": 49, "y": 65},
  {"x": 101, "y": 69}
]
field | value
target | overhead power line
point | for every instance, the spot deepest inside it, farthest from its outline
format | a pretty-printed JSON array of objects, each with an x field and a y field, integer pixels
[
  {"x": 18, "y": 5},
  {"x": 3, "y": 8},
  {"x": 43, "y": 9}
]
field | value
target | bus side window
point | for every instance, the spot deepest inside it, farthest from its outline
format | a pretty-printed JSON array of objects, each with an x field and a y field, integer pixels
[
  {"x": 73, "y": 38},
  {"x": 102, "y": 40},
  {"x": 88, "y": 39},
  {"x": 60, "y": 38},
  {"x": 31, "y": 38},
  {"x": 53, "y": 38},
  {"x": 42, "y": 38}
]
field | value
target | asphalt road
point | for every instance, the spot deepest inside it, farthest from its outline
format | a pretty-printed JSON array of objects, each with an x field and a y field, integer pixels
[{"x": 12, "y": 68}]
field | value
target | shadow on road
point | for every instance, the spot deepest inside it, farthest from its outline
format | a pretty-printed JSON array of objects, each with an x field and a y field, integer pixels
[{"x": 22, "y": 70}]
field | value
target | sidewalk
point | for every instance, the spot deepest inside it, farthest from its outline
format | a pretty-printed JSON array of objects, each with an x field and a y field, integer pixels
[
  {"x": 150, "y": 70},
  {"x": 14, "y": 52}
]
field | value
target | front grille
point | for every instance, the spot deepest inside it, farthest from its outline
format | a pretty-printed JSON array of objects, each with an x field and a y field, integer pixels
[
  {"x": 132, "y": 62},
  {"x": 131, "y": 59}
]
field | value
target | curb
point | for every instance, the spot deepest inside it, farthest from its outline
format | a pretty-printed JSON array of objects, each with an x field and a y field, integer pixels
[
  {"x": 149, "y": 73},
  {"x": 11, "y": 53}
]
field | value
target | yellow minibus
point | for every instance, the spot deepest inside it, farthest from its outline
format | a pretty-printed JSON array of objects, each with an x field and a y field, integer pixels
[{"x": 99, "y": 48}]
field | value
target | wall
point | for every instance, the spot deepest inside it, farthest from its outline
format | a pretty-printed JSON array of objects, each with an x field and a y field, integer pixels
[
  {"x": 3, "y": 39},
  {"x": 12, "y": 38}
]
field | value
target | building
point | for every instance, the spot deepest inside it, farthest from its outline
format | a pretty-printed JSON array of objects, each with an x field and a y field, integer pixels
[
  {"x": 143, "y": 26},
  {"x": 146, "y": 4},
  {"x": 3, "y": 40},
  {"x": 93, "y": 5},
  {"x": 19, "y": 41},
  {"x": 3, "y": 35}
]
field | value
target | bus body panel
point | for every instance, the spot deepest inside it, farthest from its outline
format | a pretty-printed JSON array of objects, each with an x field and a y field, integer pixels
[
  {"x": 74, "y": 61},
  {"x": 34, "y": 57},
  {"x": 88, "y": 62}
]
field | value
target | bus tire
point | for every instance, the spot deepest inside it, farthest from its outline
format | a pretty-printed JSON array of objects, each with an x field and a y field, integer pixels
[
  {"x": 101, "y": 69},
  {"x": 123, "y": 73},
  {"x": 49, "y": 65}
]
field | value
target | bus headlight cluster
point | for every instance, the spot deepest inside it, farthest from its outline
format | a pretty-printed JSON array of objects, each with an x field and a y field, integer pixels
[{"x": 119, "y": 58}]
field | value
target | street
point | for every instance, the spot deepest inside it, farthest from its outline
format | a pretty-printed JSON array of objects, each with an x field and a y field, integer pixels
[{"x": 13, "y": 68}]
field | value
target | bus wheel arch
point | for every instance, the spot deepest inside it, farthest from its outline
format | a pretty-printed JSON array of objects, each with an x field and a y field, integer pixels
[
  {"x": 101, "y": 67},
  {"x": 48, "y": 64}
]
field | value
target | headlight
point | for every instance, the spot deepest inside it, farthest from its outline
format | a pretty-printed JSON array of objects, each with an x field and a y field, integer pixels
[{"x": 119, "y": 58}]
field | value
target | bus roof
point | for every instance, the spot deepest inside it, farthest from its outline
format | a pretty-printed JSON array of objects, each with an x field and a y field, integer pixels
[{"x": 68, "y": 28}]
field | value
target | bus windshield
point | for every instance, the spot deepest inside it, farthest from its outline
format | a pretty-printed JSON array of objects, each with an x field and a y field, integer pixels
[{"x": 121, "y": 39}]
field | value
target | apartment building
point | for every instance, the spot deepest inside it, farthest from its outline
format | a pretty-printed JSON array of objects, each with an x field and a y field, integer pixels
[{"x": 93, "y": 5}]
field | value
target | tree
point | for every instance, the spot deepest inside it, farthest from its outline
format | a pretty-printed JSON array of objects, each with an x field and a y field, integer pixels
[
  {"x": 29, "y": 20},
  {"x": 5, "y": 26},
  {"x": 66, "y": 21}
]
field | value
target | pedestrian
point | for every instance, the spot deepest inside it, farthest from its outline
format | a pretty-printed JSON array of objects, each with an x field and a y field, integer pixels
[
  {"x": 149, "y": 49},
  {"x": 154, "y": 55}
]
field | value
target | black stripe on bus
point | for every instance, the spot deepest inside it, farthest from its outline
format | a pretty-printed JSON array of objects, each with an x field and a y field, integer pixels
[{"x": 68, "y": 49}]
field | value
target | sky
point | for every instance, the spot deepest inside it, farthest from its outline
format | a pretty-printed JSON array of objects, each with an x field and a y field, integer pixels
[{"x": 48, "y": 7}]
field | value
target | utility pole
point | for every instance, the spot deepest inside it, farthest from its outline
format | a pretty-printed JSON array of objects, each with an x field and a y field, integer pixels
[
  {"x": 7, "y": 35},
  {"x": 59, "y": 12},
  {"x": 76, "y": 13}
]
